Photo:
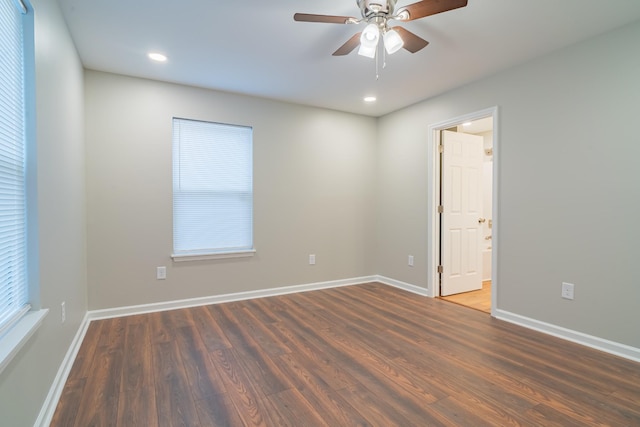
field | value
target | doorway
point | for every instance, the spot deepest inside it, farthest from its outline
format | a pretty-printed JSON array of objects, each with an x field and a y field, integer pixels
[{"x": 462, "y": 210}]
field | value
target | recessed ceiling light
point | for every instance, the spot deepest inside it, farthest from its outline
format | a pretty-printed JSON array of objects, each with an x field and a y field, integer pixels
[
  {"x": 157, "y": 56},
  {"x": 465, "y": 124},
  {"x": 369, "y": 99}
]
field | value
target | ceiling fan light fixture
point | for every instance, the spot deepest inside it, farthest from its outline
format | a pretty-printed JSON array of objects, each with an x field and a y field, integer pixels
[
  {"x": 370, "y": 35},
  {"x": 392, "y": 41},
  {"x": 368, "y": 51},
  {"x": 369, "y": 41},
  {"x": 377, "y": 14}
]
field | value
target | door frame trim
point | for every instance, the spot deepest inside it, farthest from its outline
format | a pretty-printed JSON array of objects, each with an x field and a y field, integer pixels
[{"x": 433, "y": 189}]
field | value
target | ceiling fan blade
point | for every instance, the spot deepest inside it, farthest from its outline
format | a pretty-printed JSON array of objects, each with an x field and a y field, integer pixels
[
  {"x": 427, "y": 8},
  {"x": 351, "y": 44},
  {"x": 412, "y": 42},
  {"x": 308, "y": 17}
]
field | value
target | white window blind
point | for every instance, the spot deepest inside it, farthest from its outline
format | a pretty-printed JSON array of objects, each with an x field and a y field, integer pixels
[
  {"x": 13, "y": 276},
  {"x": 212, "y": 188}
]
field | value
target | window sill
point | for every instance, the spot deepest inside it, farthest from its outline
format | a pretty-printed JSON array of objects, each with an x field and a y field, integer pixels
[
  {"x": 213, "y": 255},
  {"x": 16, "y": 337}
]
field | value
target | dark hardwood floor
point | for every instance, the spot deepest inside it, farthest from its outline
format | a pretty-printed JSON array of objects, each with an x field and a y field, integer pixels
[{"x": 366, "y": 355}]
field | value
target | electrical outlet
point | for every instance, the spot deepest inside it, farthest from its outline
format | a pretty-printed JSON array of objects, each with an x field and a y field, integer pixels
[
  {"x": 161, "y": 273},
  {"x": 312, "y": 259},
  {"x": 567, "y": 290},
  {"x": 410, "y": 260},
  {"x": 63, "y": 312}
]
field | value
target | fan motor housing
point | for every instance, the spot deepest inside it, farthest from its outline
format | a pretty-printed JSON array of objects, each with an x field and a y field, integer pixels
[{"x": 372, "y": 8}]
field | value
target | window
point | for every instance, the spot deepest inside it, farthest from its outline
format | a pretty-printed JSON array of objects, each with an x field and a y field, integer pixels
[
  {"x": 212, "y": 190},
  {"x": 14, "y": 288},
  {"x": 17, "y": 321}
]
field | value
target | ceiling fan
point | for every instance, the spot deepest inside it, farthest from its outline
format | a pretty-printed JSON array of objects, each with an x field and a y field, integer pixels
[{"x": 377, "y": 14}]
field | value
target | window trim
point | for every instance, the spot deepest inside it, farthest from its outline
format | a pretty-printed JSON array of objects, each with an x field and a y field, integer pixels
[
  {"x": 18, "y": 335},
  {"x": 203, "y": 256}
]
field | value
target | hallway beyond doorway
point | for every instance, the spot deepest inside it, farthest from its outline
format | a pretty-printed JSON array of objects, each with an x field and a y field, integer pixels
[{"x": 478, "y": 300}]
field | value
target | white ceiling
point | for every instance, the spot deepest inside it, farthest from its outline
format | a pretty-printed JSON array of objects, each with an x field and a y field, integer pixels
[{"x": 254, "y": 47}]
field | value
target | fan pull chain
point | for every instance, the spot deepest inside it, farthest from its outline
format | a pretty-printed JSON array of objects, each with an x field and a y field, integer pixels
[{"x": 384, "y": 59}]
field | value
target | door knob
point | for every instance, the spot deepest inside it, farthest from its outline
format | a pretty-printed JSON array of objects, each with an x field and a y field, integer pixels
[{"x": 481, "y": 220}]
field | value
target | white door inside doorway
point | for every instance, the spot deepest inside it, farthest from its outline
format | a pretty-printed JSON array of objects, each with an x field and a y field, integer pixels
[{"x": 461, "y": 220}]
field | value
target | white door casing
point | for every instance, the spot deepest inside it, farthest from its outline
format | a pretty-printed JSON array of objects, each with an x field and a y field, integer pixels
[{"x": 461, "y": 221}]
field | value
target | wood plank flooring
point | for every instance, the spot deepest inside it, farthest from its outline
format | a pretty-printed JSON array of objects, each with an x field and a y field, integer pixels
[
  {"x": 479, "y": 300},
  {"x": 366, "y": 355}
]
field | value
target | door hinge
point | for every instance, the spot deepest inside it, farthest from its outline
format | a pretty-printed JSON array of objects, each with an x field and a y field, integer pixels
[
  {"x": 440, "y": 148},
  {"x": 439, "y": 269},
  {"x": 440, "y": 209}
]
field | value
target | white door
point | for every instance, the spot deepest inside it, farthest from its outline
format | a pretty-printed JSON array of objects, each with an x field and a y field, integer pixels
[{"x": 461, "y": 220}]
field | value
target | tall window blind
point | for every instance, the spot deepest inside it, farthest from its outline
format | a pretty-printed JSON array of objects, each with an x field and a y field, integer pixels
[
  {"x": 212, "y": 188},
  {"x": 13, "y": 276}
]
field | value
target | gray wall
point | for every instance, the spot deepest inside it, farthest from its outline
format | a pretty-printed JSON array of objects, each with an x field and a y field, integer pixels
[
  {"x": 314, "y": 183},
  {"x": 568, "y": 182},
  {"x": 61, "y": 214}
]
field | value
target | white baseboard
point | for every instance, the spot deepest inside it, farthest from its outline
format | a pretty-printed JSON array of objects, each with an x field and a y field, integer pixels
[
  {"x": 402, "y": 285},
  {"x": 601, "y": 344},
  {"x": 55, "y": 391},
  {"x": 218, "y": 299}
]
